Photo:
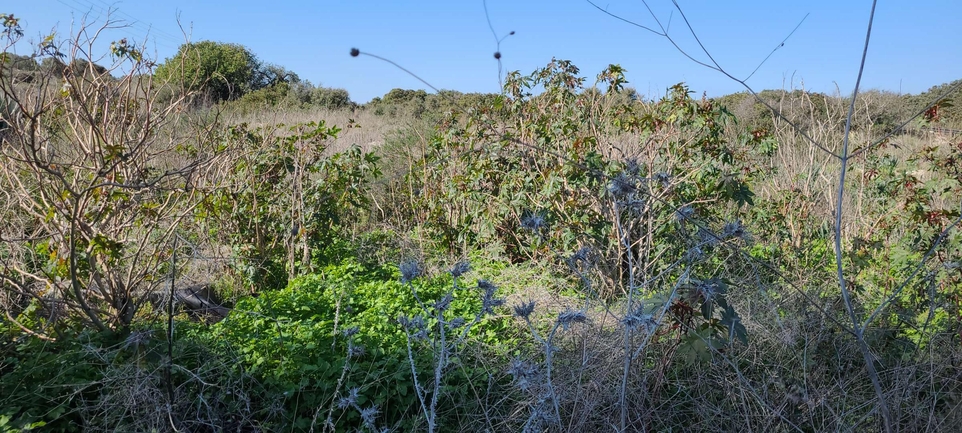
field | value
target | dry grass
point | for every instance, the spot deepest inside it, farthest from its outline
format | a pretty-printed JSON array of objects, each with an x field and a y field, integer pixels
[{"x": 369, "y": 133}]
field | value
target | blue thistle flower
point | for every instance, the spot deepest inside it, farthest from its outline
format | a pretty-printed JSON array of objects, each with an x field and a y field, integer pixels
[
  {"x": 663, "y": 178},
  {"x": 632, "y": 167},
  {"x": 523, "y": 372},
  {"x": 621, "y": 186},
  {"x": 694, "y": 254},
  {"x": 638, "y": 319},
  {"x": 410, "y": 271},
  {"x": 488, "y": 301},
  {"x": 524, "y": 310},
  {"x": 355, "y": 351},
  {"x": 349, "y": 400},
  {"x": 460, "y": 268},
  {"x": 350, "y": 332},
  {"x": 415, "y": 325},
  {"x": 443, "y": 303},
  {"x": 368, "y": 415},
  {"x": 734, "y": 229},
  {"x": 456, "y": 322},
  {"x": 583, "y": 255},
  {"x": 569, "y": 316},
  {"x": 533, "y": 222}
]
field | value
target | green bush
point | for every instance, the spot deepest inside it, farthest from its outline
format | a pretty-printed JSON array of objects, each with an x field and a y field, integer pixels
[
  {"x": 283, "y": 206},
  {"x": 328, "y": 333},
  {"x": 41, "y": 383},
  {"x": 262, "y": 99},
  {"x": 118, "y": 381},
  {"x": 330, "y": 98},
  {"x": 535, "y": 174},
  {"x": 220, "y": 70}
]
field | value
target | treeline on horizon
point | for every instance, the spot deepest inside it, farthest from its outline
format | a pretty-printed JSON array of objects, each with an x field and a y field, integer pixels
[{"x": 246, "y": 84}]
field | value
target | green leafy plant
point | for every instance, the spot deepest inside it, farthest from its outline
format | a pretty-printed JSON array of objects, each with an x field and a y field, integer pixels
[
  {"x": 220, "y": 71},
  {"x": 335, "y": 335},
  {"x": 282, "y": 206},
  {"x": 549, "y": 158}
]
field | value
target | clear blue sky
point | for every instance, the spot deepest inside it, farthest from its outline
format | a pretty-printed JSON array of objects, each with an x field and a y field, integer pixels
[{"x": 448, "y": 43}]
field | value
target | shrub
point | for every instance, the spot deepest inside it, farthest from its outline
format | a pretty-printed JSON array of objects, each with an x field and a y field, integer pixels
[
  {"x": 282, "y": 206},
  {"x": 95, "y": 189},
  {"x": 330, "y": 98},
  {"x": 263, "y": 99},
  {"x": 221, "y": 71},
  {"x": 552, "y": 167},
  {"x": 96, "y": 381},
  {"x": 335, "y": 335}
]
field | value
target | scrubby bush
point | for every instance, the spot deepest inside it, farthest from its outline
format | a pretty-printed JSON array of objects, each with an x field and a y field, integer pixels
[
  {"x": 330, "y": 347},
  {"x": 281, "y": 208},
  {"x": 278, "y": 96},
  {"x": 945, "y": 112},
  {"x": 330, "y": 98},
  {"x": 483, "y": 186},
  {"x": 222, "y": 71},
  {"x": 137, "y": 380},
  {"x": 94, "y": 187}
]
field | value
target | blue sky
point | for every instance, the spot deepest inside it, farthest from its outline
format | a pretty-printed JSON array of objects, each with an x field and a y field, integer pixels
[{"x": 449, "y": 43}]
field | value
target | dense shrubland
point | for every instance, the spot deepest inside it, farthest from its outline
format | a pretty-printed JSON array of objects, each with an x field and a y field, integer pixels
[{"x": 563, "y": 256}]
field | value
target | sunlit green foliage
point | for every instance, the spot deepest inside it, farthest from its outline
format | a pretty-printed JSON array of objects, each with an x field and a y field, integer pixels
[
  {"x": 222, "y": 71},
  {"x": 286, "y": 199}
]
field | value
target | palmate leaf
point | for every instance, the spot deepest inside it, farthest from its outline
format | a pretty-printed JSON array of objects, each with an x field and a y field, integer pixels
[
  {"x": 733, "y": 322},
  {"x": 706, "y": 309},
  {"x": 735, "y": 189}
]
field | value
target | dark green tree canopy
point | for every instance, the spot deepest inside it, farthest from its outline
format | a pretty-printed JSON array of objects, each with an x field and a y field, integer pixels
[{"x": 221, "y": 70}]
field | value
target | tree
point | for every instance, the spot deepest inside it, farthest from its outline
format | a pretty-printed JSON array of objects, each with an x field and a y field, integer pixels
[
  {"x": 222, "y": 71},
  {"x": 330, "y": 98},
  {"x": 94, "y": 183}
]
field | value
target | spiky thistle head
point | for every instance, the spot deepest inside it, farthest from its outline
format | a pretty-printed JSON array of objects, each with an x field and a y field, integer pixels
[
  {"x": 638, "y": 319},
  {"x": 488, "y": 301},
  {"x": 568, "y": 317},
  {"x": 734, "y": 229},
  {"x": 460, "y": 268},
  {"x": 369, "y": 415},
  {"x": 355, "y": 350},
  {"x": 709, "y": 289},
  {"x": 456, "y": 322},
  {"x": 524, "y": 373},
  {"x": 622, "y": 186},
  {"x": 415, "y": 326},
  {"x": 533, "y": 222},
  {"x": 707, "y": 237},
  {"x": 349, "y": 400},
  {"x": 524, "y": 310},
  {"x": 632, "y": 167},
  {"x": 350, "y": 332},
  {"x": 582, "y": 256},
  {"x": 663, "y": 178},
  {"x": 684, "y": 213},
  {"x": 410, "y": 271},
  {"x": 694, "y": 254},
  {"x": 442, "y": 305}
]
